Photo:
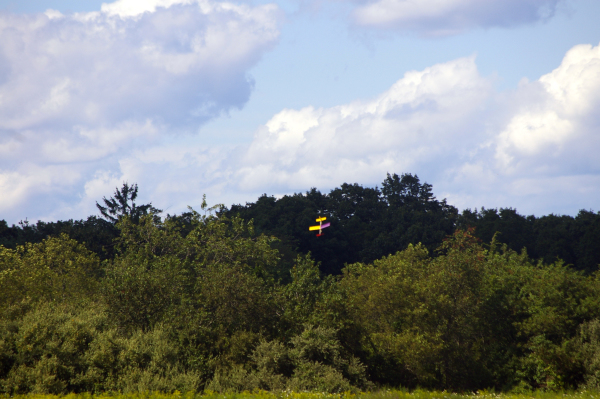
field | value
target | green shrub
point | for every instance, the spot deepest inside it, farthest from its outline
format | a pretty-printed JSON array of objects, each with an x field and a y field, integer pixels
[
  {"x": 46, "y": 349},
  {"x": 57, "y": 269},
  {"x": 589, "y": 341},
  {"x": 313, "y": 361},
  {"x": 150, "y": 362}
]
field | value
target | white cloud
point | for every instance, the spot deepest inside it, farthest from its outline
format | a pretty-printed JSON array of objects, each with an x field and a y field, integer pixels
[
  {"x": 544, "y": 157},
  {"x": 563, "y": 122},
  {"x": 417, "y": 121},
  {"x": 79, "y": 91},
  {"x": 534, "y": 148},
  {"x": 446, "y": 17},
  {"x": 99, "y": 68},
  {"x": 32, "y": 185},
  {"x": 133, "y": 8}
]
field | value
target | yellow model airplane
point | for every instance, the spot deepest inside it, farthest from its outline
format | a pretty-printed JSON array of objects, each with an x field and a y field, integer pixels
[{"x": 321, "y": 226}]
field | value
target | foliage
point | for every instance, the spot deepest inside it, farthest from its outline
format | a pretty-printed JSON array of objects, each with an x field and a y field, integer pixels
[
  {"x": 588, "y": 344},
  {"x": 370, "y": 223},
  {"x": 548, "y": 238},
  {"x": 44, "y": 352},
  {"x": 208, "y": 301},
  {"x": 60, "y": 349},
  {"x": 57, "y": 269},
  {"x": 122, "y": 203},
  {"x": 95, "y": 233},
  {"x": 469, "y": 318},
  {"x": 311, "y": 361},
  {"x": 379, "y": 394},
  {"x": 367, "y": 223}
]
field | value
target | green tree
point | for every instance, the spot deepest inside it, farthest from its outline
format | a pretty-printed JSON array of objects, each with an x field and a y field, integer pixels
[
  {"x": 57, "y": 269},
  {"x": 122, "y": 203},
  {"x": 587, "y": 241},
  {"x": 214, "y": 285},
  {"x": 412, "y": 215},
  {"x": 366, "y": 223},
  {"x": 95, "y": 233}
]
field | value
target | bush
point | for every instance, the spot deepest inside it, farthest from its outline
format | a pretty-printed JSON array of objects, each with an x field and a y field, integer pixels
[
  {"x": 57, "y": 269},
  {"x": 589, "y": 345},
  {"x": 313, "y": 361},
  {"x": 46, "y": 349}
]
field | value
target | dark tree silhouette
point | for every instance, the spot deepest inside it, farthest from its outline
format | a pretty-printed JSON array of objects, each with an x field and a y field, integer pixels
[{"x": 123, "y": 204}]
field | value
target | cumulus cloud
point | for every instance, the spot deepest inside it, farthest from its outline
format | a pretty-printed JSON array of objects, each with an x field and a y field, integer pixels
[
  {"x": 79, "y": 91},
  {"x": 532, "y": 148},
  {"x": 413, "y": 123},
  {"x": 101, "y": 67},
  {"x": 447, "y": 17},
  {"x": 561, "y": 122}
]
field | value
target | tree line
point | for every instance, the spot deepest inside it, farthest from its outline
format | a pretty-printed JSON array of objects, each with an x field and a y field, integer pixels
[
  {"x": 211, "y": 300},
  {"x": 367, "y": 224}
]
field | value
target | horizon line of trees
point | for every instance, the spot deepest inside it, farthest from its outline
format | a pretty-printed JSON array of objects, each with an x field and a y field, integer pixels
[{"x": 367, "y": 224}]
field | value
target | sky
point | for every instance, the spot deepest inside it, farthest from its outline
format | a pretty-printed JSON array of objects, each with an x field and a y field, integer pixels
[{"x": 495, "y": 103}]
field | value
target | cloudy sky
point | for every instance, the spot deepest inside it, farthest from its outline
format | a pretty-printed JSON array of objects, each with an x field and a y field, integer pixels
[{"x": 494, "y": 102}]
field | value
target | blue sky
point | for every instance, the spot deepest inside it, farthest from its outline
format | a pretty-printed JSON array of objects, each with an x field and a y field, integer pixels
[{"x": 495, "y": 103}]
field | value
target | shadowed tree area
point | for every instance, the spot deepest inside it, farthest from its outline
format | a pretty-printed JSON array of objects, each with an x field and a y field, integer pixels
[
  {"x": 122, "y": 203},
  {"x": 575, "y": 240},
  {"x": 366, "y": 223},
  {"x": 369, "y": 223}
]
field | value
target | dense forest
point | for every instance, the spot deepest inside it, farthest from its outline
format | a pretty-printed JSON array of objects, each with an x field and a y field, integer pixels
[{"x": 401, "y": 291}]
